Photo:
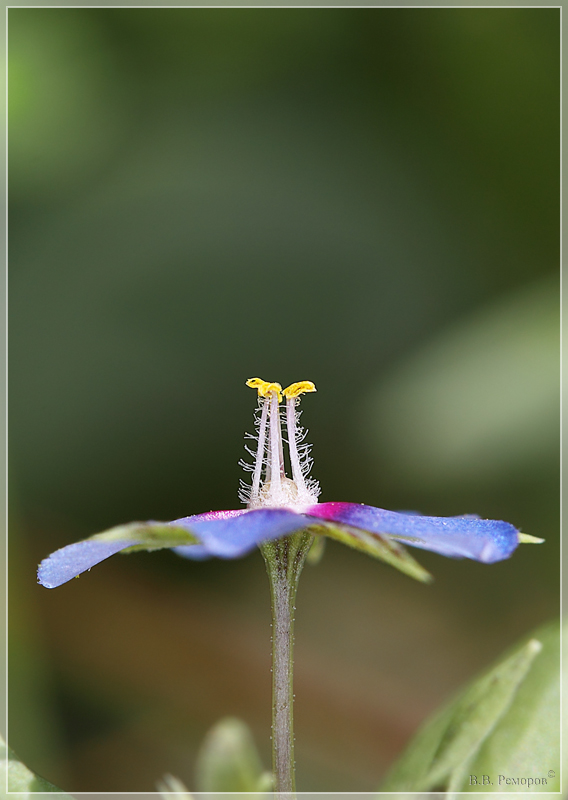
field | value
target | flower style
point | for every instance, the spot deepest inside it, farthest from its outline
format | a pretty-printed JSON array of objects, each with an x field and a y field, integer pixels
[{"x": 277, "y": 506}]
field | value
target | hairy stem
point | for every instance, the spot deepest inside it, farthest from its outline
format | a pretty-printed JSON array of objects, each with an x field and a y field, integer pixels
[{"x": 284, "y": 561}]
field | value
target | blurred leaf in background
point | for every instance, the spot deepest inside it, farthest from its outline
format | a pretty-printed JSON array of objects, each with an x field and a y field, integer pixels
[
  {"x": 171, "y": 788},
  {"x": 367, "y": 198},
  {"x": 64, "y": 122},
  {"x": 479, "y": 401},
  {"x": 19, "y": 779},
  {"x": 527, "y": 739},
  {"x": 505, "y": 725},
  {"x": 229, "y": 762}
]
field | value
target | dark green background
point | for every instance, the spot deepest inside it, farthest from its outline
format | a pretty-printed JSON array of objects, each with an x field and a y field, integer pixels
[{"x": 366, "y": 198}]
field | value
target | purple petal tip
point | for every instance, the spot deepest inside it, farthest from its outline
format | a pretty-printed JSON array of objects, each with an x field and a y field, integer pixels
[{"x": 70, "y": 561}]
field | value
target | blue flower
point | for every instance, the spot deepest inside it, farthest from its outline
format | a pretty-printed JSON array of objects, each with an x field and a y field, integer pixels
[{"x": 278, "y": 506}]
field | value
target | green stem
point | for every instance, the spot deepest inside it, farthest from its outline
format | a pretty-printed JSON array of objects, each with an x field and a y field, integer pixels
[{"x": 284, "y": 561}]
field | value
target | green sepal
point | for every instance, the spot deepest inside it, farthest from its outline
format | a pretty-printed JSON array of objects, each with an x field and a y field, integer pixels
[
  {"x": 490, "y": 727},
  {"x": 316, "y": 551},
  {"x": 18, "y": 778},
  {"x": 154, "y": 536},
  {"x": 229, "y": 761},
  {"x": 381, "y": 547}
]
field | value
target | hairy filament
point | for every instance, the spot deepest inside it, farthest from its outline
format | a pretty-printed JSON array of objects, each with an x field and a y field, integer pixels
[
  {"x": 297, "y": 471},
  {"x": 276, "y": 460},
  {"x": 255, "y": 489}
]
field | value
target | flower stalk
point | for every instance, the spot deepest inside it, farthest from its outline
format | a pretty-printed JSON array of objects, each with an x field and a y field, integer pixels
[{"x": 284, "y": 559}]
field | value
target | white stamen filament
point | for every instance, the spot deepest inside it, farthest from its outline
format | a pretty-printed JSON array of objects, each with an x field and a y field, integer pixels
[
  {"x": 276, "y": 460},
  {"x": 255, "y": 489},
  {"x": 297, "y": 474}
]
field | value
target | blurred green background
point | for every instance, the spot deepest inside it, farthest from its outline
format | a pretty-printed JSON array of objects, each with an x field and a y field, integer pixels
[{"x": 366, "y": 198}]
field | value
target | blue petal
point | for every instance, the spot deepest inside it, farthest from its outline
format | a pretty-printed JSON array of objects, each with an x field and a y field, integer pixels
[
  {"x": 194, "y": 551},
  {"x": 70, "y": 561},
  {"x": 232, "y": 537},
  {"x": 486, "y": 540}
]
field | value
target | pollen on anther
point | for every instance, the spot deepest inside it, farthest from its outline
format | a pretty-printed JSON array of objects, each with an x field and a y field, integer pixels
[
  {"x": 265, "y": 388},
  {"x": 296, "y": 389}
]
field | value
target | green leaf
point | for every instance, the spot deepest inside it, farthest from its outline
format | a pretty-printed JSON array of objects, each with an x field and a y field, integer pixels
[
  {"x": 490, "y": 728},
  {"x": 381, "y": 547},
  {"x": 154, "y": 535},
  {"x": 526, "y": 740},
  {"x": 18, "y": 778},
  {"x": 229, "y": 762}
]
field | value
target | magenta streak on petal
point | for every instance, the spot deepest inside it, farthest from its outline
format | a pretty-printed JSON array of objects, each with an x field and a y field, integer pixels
[
  {"x": 70, "y": 561},
  {"x": 197, "y": 552},
  {"x": 458, "y": 537},
  {"x": 207, "y": 515}
]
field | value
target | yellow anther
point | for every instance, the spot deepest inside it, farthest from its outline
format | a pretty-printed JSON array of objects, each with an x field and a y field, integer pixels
[
  {"x": 296, "y": 389},
  {"x": 265, "y": 388},
  {"x": 255, "y": 383}
]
